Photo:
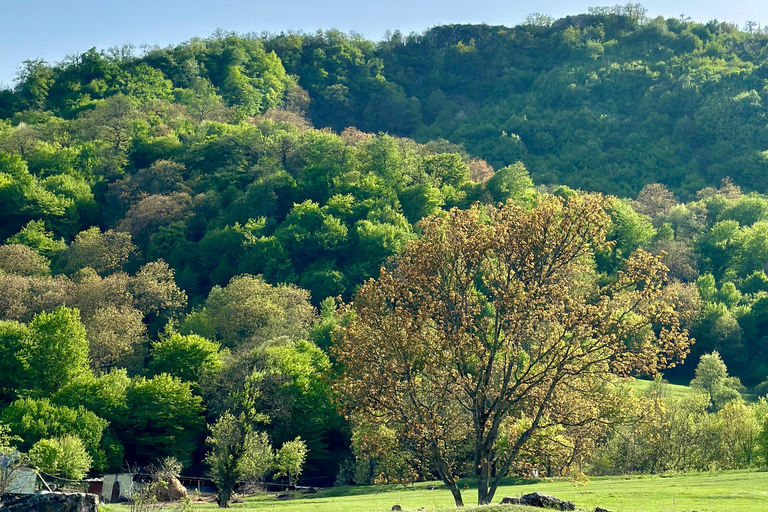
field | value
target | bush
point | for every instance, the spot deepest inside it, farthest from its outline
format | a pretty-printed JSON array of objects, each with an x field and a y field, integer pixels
[{"x": 63, "y": 456}]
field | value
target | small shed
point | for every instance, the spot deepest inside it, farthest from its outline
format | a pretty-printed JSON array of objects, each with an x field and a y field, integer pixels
[
  {"x": 95, "y": 485},
  {"x": 117, "y": 487}
]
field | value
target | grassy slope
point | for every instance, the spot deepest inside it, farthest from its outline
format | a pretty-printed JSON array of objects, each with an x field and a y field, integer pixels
[
  {"x": 741, "y": 491},
  {"x": 642, "y": 386}
]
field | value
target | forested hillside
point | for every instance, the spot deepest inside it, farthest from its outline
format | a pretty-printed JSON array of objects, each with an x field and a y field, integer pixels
[
  {"x": 179, "y": 227},
  {"x": 605, "y": 101}
]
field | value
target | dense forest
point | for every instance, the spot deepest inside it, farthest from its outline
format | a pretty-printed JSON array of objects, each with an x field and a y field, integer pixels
[{"x": 180, "y": 226}]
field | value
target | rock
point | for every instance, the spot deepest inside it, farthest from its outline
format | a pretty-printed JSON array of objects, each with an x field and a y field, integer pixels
[
  {"x": 396, "y": 507},
  {"x": 601, "y": 509},
  {"x": 539, "y": 500},
  {"x": 284, "y": 496},
  {"x": 170, "y": 490},
  {"x": 51, "y": 502},
  {"x": 311, "y": 490}
]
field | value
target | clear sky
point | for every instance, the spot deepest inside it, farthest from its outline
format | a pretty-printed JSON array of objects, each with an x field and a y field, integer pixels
[{"x": 51, "y": 29}]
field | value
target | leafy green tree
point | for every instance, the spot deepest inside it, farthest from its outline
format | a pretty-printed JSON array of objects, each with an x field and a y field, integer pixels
[
  {"x": 24, "y": 197},
  {"x": 186, "y": 357},
  {"x": 238, "y": 453},
  {"x": 718, "y": 247},
  {"x": 752, "y": 254},
  {"x": 58, "y": 350},
  {"x": 202, "y": 101},
  {"x": 34, "y": 80},
  {"x": 739, "y": 428},
  {"x": 105, "y": 394},
  {"x": 420, "y": 201},
  {"x": 629, "y": 231},
  {"x": 163, "y": 419},
  {"x": 14, "y": 346},
  {"x": 325, "y": 324},
  {"x": 712, "y": 377},
  {"x": 390, "y": 110},
  {"x": 756, "y": 282},
  {"x": 33, "y": 420},
  {"x": 112, "y": 120},
  {"x": 299, "y": 401},
  {"x": 309, "y": 233},
  {"x": 241, "y": 94},
  {"x": 511, "y": 182},
  {"x": 63, "y": 456},
  {"x": 719, "y": 329},
  {"x": 289, "y": 460},
  {"x": 746, "y": 210},
  {"x": 35, "y": 236}
]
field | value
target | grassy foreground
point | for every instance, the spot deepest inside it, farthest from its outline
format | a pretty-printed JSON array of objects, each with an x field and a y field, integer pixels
[{"x": 736, "y": 491}]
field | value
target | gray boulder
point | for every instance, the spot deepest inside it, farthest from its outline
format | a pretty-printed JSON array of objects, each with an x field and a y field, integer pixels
[
  {"x": 51, "y": 502},
  {"x": 539, "y": 500}
]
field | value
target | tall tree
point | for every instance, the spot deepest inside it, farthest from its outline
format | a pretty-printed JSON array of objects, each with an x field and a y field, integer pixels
[
  {"x": 58, "y": 353},
  {"x": 238, "y": 452},
  {"x": 493, "y": 327}
]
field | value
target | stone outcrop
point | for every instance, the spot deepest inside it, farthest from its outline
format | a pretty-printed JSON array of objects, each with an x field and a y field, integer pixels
[
  {"x": 536, "y": 499},
  {"x": 50, "y": 502}
]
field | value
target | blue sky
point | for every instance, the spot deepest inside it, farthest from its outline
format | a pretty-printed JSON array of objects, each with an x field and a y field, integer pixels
[{"x": 51, "y": 29}]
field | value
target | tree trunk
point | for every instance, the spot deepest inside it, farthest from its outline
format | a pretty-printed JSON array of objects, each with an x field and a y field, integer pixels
[
  {"x": 483, "y": 458},
  {"x": 492, "y": 490},
  {"x": 483, "y": 475},
  {"x": 446, "y": 475},
  {"x": 457, "y": 495},
  {"x": 225, "y": 495}
]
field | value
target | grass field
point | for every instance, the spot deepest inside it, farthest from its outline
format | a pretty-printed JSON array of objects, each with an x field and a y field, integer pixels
[
  {"x": 737, "y": 491},
  {"x": 642, "y": 386}
]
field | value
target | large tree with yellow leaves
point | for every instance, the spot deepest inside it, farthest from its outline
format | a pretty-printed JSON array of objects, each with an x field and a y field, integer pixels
[{"x": 494, "y": 326}]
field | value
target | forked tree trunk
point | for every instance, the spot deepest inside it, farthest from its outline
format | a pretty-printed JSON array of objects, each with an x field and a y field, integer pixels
[
  {"x": 482, "y": 483},
  {"x": 483, "y": 496}
]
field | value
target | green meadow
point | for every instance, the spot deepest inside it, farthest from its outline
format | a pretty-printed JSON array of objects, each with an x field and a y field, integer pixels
[
  {"x": 643, "y": 386},
  {"x": 733, "y": 491}
]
